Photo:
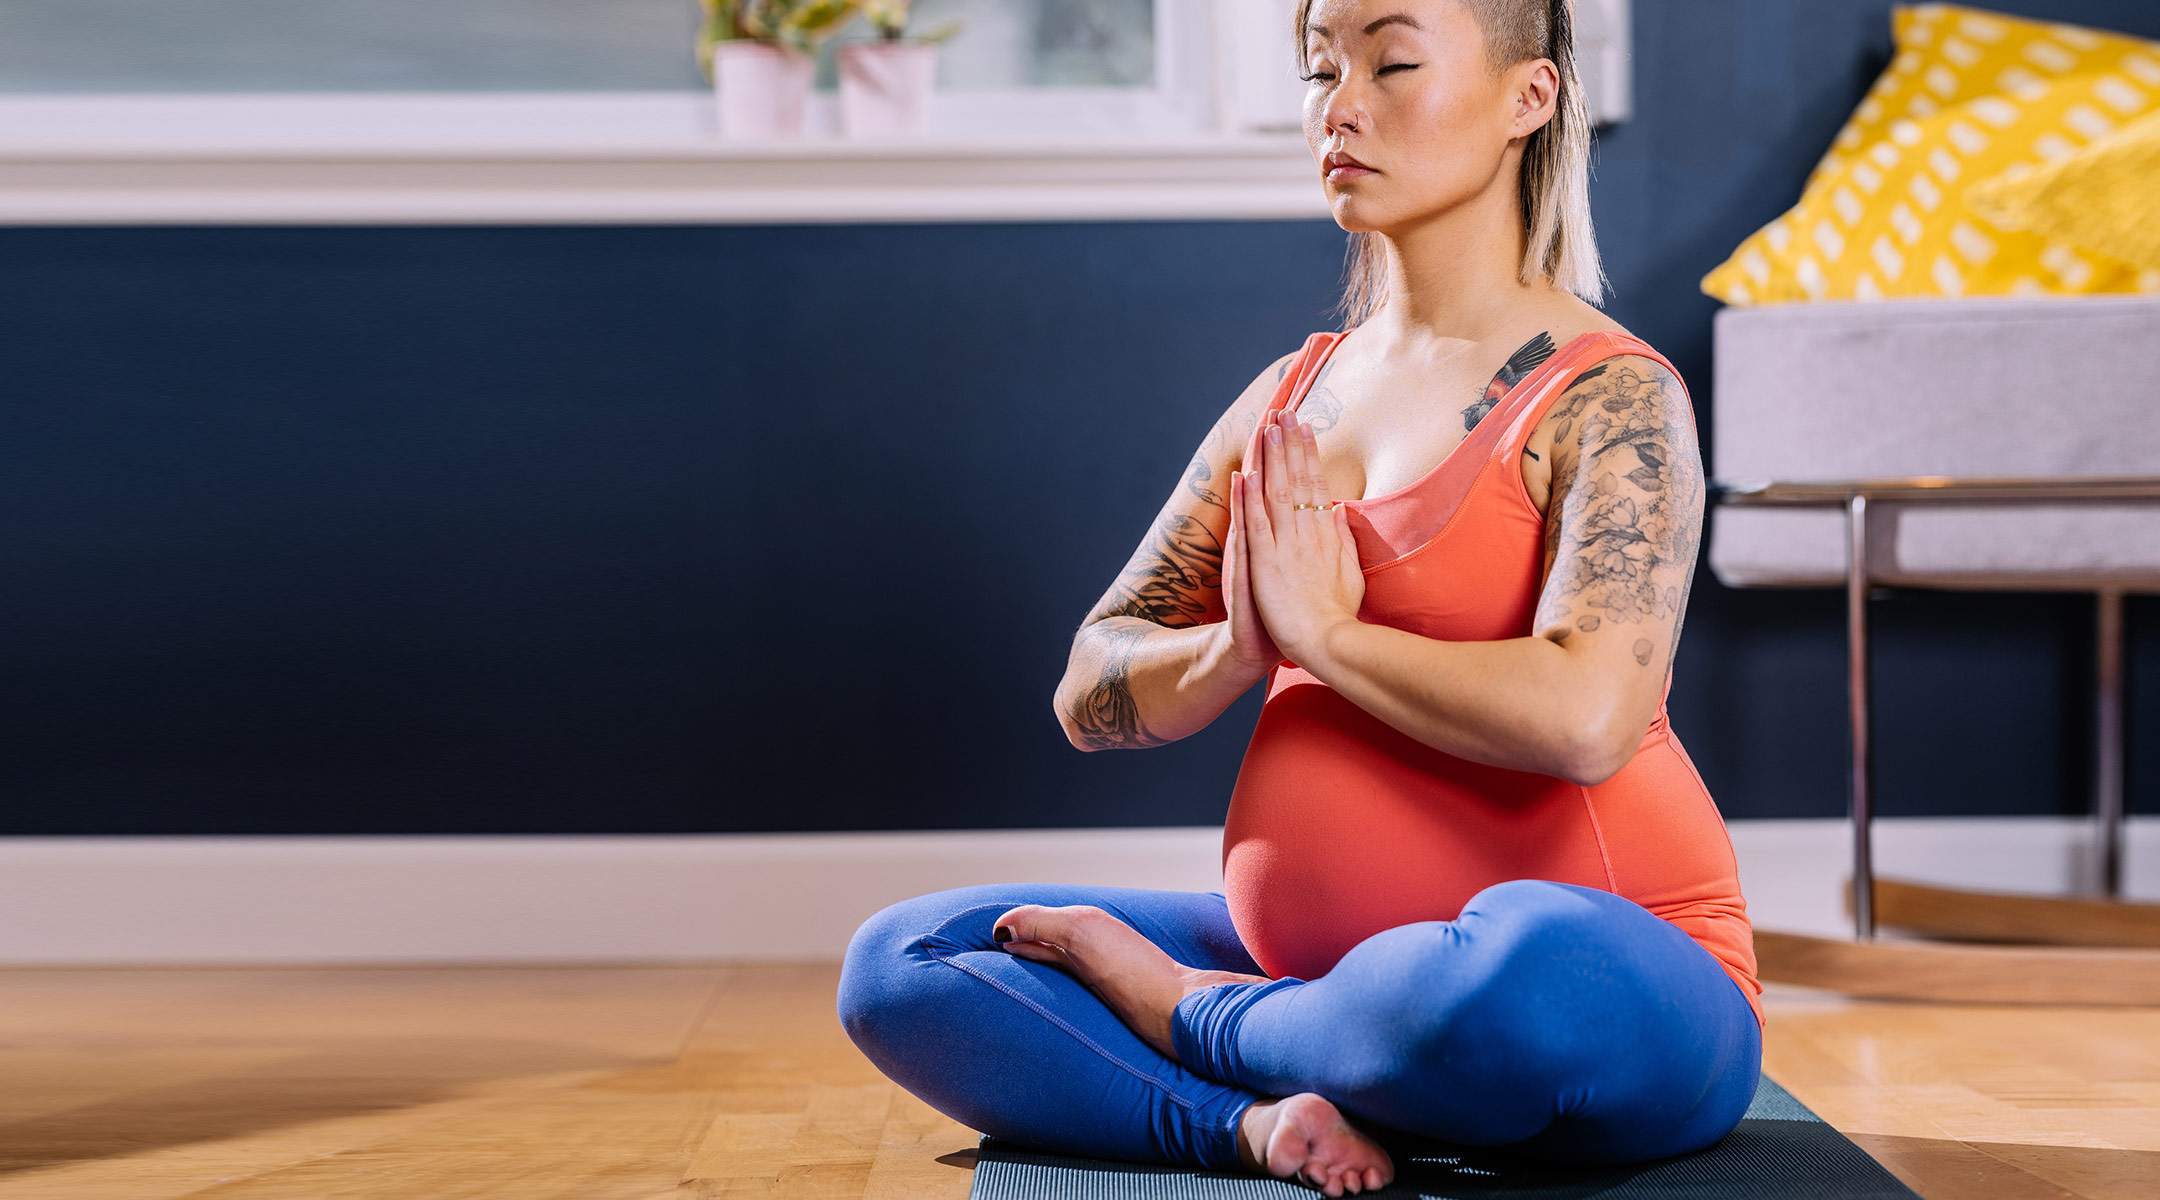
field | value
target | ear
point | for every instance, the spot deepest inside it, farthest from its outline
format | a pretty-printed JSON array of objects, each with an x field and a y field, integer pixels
[{"x": 1533, "y": 94}]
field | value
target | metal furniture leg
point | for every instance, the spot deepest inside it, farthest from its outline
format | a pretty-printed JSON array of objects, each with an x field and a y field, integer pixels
[
  {"x": 2108, "y": 728},
  {"x": 1863, "y": 762}
]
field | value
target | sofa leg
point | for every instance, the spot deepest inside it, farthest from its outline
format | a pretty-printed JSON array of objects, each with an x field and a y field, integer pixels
[
  {"x": 2108, "y": 733},
  {"x": 1862, "y": 763}
]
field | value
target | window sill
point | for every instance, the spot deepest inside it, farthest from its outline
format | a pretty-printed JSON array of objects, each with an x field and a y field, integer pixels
[{"x": 98, "y": 160}]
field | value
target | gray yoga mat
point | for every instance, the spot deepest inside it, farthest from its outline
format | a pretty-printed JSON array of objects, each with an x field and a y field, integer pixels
[{"x": 1779, "y": 1151}]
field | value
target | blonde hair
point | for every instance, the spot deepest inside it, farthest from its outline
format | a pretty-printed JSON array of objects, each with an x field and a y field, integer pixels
[{"x": 1555, "y": 179}]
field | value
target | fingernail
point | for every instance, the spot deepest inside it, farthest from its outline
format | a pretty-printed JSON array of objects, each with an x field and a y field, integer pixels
[{"x": 1001, "y": 934}]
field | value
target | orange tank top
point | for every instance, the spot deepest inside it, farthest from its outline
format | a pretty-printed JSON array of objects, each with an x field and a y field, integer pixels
[{"x": 1341, "y": 825}]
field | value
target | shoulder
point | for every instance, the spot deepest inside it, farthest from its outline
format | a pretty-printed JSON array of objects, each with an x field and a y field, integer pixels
[
  {"x": 1637, "y": 386},
  {"x": 1626, "y": 414}
]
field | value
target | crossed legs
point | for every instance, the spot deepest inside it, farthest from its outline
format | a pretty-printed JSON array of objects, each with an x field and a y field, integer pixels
[{"x": 1548, "y": 1019}]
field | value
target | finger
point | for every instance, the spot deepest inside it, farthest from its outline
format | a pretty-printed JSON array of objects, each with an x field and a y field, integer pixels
[
  {"x": 1259, "y": 529},
  {"x": 1315, "y": 477},
  {"x": 1346, "y": 545},
  {"x": 1293, "y": 448},
  {"x": 1301, "y": 469},
  {"x": 1278, "y": 486},
  {"x": 1232, "y": 551},
  {"x": 1234, "y": 566}
]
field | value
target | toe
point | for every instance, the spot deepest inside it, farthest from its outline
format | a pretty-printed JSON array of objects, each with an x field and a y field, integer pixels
[
  {"x": 1018, "y": 924},
  {"x": 1030, "y": 931},
  {"x": 1043, "y": 923}
]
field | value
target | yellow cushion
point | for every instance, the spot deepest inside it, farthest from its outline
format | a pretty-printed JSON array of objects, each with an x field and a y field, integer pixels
[
  {"x": 1970, "y": 94},
  {"x": 2105, "y": 198}
]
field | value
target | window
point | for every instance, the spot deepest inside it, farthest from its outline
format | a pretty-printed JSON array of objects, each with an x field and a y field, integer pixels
[
  {"x": 1047, "y": 66},
  {"x": 570, "y": 110}
]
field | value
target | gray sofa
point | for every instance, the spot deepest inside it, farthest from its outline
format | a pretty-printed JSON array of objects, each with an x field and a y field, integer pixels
[
  {"x": 1963, "y": 388},
  {"x": 1991, "y": 444}
]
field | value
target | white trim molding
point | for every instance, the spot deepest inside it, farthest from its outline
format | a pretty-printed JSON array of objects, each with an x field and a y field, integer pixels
[
  {"x": 784, "y": 896},
  {"x": 626, "y": 158}
]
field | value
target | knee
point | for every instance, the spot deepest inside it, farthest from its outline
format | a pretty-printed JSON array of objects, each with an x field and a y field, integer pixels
[
  {"x": 875, "y": 979},
  {"x": 1537, "y": 926},
  {"x": 1481, "y": 983}
]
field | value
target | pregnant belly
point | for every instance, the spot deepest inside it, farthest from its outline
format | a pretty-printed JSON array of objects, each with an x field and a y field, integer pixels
[{"x": 1342, "y": 826}]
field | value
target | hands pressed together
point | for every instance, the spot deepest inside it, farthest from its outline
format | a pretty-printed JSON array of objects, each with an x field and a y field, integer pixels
[{"x": 1291, "y": 570}]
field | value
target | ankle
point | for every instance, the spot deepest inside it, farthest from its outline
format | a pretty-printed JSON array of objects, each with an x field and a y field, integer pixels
[{"x": 1253, "y": 1127}]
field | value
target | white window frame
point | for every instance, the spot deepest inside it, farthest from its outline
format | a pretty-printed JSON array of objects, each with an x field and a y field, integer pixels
[{"x": 1214, "y": 138}]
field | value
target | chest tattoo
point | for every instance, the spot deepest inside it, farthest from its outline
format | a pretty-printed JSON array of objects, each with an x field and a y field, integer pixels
[{"x": 1514, "y": 371}]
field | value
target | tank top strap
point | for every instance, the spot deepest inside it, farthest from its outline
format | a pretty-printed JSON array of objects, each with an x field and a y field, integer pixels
[
  {"x": 1560, "y": 372},
  {"x": 1296, "y": 381},
  {"x": 1305, "y": 368}
]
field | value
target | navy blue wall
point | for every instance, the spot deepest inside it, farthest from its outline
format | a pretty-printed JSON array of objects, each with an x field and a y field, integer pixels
[{"x": 650, "y": 529}]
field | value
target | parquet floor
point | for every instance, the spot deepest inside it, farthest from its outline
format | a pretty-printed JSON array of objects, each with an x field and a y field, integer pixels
[{"x": 684, "y": 1081}]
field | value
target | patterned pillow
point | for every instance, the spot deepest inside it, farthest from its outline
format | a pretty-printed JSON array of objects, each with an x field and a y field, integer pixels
[
  {"x": 2105, "y": 197},
  {"x": 1970, "y": 96}
]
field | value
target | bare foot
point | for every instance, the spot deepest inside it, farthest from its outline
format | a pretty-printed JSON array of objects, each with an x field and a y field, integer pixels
[
  {"x": 1139, "y": 982},
  {"x": 1304, "y": 1137}
]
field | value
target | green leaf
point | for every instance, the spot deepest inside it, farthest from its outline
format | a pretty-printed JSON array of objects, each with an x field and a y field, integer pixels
[{"x": 941, "y": 33}]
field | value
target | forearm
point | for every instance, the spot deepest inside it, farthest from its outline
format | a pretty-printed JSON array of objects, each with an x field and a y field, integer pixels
[
  {"x": 1521, "y": 703},
  {"x": 1132, "y": 683}
]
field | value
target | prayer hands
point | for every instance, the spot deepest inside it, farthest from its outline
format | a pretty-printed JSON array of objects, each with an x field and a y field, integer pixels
[{"x": 1296, "y": 568}]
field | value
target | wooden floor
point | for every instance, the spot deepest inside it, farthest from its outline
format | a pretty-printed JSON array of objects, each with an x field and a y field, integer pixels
[{"x": 598, "y": 1082}]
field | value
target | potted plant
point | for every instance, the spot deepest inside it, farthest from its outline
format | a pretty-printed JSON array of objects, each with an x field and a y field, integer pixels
[
  {"x": 885, "y": 85},
  {"x": 758, "y": 55}
]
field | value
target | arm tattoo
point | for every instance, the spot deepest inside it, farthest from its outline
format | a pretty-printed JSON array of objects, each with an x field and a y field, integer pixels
[
  {"x": 1163, "y": 586},
  {"x": 1106, "y": 715},
  {"x": 1168, "y": 577},
  {"x": 1172, "y": 581},
  {"x": 1625, "y": 515},
  {"x": 1514, "y": 371}
]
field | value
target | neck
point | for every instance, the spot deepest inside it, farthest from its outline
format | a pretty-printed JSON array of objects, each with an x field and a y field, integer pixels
[{"x": 1456, "y": 275}]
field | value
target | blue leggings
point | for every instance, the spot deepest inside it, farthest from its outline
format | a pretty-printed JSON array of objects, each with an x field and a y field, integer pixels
[{"x": 1548, "y": 1020}]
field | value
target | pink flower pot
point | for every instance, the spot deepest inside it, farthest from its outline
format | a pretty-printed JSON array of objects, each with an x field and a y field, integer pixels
[
  {"x": 762, "y": 90},
  {"x": 885, "y": 88}
]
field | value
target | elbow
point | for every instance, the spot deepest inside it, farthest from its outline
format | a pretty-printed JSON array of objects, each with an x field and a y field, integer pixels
[
  {"x": 1072, "y": 735},
  {"x": 1595, "y": 752},
  {"x": 1058, "y": 709},
  {"x": 1062, "y": 709}
]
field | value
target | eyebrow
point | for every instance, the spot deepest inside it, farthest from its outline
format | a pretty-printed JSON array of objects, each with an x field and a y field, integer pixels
[{"x": 1375, "y": 27}]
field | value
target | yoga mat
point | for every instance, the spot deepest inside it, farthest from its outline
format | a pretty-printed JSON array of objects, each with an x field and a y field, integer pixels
[{"x": 1779, "y": 1151}]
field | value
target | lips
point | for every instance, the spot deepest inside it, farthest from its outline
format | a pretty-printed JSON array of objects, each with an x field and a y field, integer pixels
[{"x": 1338, "y": 166}]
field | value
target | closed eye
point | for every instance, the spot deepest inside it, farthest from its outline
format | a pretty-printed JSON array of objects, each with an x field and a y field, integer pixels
[{"x": 1382, "y": 71}]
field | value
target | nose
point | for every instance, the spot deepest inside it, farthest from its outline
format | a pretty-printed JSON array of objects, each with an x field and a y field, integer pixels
[{"x": 1344, "y": 111}]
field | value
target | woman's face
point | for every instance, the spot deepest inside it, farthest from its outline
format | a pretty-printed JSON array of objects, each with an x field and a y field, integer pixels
[{"x": 1404, "y": 88}]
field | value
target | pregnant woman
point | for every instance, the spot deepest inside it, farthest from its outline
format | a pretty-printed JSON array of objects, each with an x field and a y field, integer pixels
[{"x": 1473, "y": 887}]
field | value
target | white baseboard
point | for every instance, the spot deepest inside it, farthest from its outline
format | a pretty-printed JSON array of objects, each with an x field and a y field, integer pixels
[{"x": 777, "y": 896}]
